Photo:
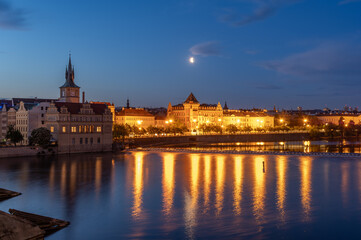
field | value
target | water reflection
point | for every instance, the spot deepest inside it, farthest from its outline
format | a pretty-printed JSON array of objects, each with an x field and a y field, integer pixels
[
  {"x": 138, "y": 185},
  {"x": 259, "y": 187},
  {"x": 219, "y": 183},
  {"x": 237, "y": 192},
  {"x": 281, "y": 185},
  {"x": 197, "y": 195},
  {"x": 168, "y": 182},
  {"x": 191, "y": 201},
  {"x": 306, "y": 188},
  {"x": 207, "y": 180}
]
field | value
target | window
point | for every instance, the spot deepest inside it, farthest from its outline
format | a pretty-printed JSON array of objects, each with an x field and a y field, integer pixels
[
  {"x": 73, "y": 129},
  {"x": 73, "y": 141},
  {"x": 91, "y": 140},
  {"x": 63, "y": 129},
  {"x": 42, "y": 115},
  {"x": 81, "y": 140},
  {"x": 80, "y": 129},
  {"x": 42, "y": 122},
  {"x": 85, "y": 128},
  {"x": 91, "y": 129},
  {"x": 98, "y": 139},
  {"x": 42, "y": 108},
  {"x": 86, "y": 140},
  {"x": 51, "y": 129},
  {"x": 99, "y": 129}
]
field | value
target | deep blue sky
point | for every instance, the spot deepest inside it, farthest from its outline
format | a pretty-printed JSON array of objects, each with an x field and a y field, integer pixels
[{"x": 251, "y": 53}]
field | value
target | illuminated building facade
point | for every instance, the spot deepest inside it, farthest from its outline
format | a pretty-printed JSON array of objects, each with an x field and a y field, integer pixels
[
  {"x": 135, "y": 117},
  {"x": 335, "y": 118},
  {"x": 193, "y": 114},
  {"x": 247, "y": 119}
]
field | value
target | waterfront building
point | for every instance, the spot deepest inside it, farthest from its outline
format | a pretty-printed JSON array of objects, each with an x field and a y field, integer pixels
[
  {"x": 248, "y": 119},
  {"x": 335, "y": 118},
  {"x": 22, "y": 120},
  {"x": 78, "y": 127},
  {"x": 135, "y": 117},
  {"x": 110, "y": 106},
  {"x": 193, "y": 114}
]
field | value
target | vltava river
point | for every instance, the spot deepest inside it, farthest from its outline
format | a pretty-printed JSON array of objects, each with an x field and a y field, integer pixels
[{"x": 145, "y": 195}]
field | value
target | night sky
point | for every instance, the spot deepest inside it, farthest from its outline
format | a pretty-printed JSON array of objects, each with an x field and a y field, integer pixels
[{"x": 250, "y": 53}]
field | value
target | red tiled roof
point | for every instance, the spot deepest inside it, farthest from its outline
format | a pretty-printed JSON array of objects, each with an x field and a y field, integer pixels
[
  {"x": 74, "y": 108},
  {"x": 133, "y": 112}
]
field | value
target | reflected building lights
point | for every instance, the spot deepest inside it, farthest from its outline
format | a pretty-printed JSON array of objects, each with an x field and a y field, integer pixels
[
  {"x": 259, "y": 187},
  {"x": 281, "y": 185},
  {"x": 306, "y": 170},
  {"x": 138, "y": 185},
  {"x": 168, "y": 183},
  {"x": 220, "y": 183},
  {"x": 237, "y": 192},
  {"x": 63, "y": 179},
  {"x": 207, "y": 180},
  {"x": 98, "y": 175},
  {"x": 73, "y": 177},
  {"x": 191, "y": 201},
  {"x": 345, "y": 171}
]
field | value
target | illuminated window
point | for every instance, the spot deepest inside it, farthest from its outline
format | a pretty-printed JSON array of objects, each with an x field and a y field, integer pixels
[
  {"x": 51, "y": 129},
  {"x": 80, "y": 129},
  {"x": 99, "y": 129},
  {"x": 85, "y": 128},
  {"x": 63, "y": 129},
  {"x": 73, "y": 129}
]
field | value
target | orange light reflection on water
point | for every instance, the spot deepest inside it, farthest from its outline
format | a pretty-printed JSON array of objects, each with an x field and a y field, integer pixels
[
  {"x": 168, "y": 182},
  {"x": 306, "y": 170},
  {"x": 281, "y": 184},
  {"x": 237, "y": 192},
  {"x": 138, "y": 185},
  {"x": 259, "y": 187},
  {"x": 220, "y": 183}
]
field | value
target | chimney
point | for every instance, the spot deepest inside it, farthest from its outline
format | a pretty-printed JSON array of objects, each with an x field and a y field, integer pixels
[{"x": 83, "y": 97}]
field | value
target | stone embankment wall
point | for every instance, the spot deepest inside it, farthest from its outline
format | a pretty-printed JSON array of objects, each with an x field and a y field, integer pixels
[
  {"x": 23, "y": 151},
  {"x": 261, "y": 137}
]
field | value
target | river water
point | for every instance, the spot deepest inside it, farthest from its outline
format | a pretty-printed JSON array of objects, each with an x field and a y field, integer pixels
[{"x": 154, "y": 195}]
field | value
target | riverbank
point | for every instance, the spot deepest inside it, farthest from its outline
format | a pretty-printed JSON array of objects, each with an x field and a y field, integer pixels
[{"x": 246, "y": 152}]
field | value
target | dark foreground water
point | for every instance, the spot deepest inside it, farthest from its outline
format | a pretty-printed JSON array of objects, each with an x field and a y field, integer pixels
[{"x": 190, "y": 196}]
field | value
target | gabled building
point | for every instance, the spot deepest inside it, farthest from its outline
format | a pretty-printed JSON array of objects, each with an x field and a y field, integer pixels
[{"x": 192, "y": 113}]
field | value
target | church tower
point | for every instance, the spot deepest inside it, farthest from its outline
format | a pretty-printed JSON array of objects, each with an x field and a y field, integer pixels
[{"x": 69, "y": 92}]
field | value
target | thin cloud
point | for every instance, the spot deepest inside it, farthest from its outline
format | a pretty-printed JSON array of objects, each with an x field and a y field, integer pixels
[
  {"x": 264, "y": 9},
  {"x": 10, "y": 17},
  {"x": 336, "y": 63},
  {"x": 205, "y": 49},
  {"x": 269, "y": 87},
  {"x": 348, "y": 1}
]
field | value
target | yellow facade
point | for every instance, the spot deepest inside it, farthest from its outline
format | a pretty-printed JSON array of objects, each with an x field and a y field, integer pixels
[
  {"x": 135, "y": 117},
  {"x": 193, "y": 114},
  {"x": 334, "y": 119},
  {"x": 248, "y": 119}
]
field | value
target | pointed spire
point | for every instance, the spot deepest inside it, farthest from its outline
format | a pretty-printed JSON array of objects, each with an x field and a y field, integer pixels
[
  {"x": 191, "y": 99},
  {"x": 69, "y": 75},
  {"x": 225, "y": 106},
  {"x": 128, "y": 105}
]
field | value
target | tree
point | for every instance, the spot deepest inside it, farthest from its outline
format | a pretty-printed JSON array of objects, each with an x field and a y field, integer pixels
[
  {"x": 40, "y": 136},
  {"x": 232, "y": 129},
  {"x": 120, "y": 131},
  {"x": 14, "y": 135}
]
